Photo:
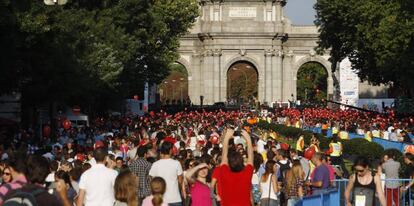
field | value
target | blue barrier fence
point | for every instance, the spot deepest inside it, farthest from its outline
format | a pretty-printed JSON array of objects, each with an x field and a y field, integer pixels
[
  {"x": 386, "y": 144},
  {"x": 336, "y": 195},
  {"x": 329, "y": 198}
]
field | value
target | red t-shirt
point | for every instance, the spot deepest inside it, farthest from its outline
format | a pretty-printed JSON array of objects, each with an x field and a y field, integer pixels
[
  {"x": 216, "y": 175},
  {"x": 236, "y": 186}
]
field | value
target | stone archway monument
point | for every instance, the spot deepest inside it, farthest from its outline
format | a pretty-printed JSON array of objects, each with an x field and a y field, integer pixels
[{"x": 253, "y": 31}]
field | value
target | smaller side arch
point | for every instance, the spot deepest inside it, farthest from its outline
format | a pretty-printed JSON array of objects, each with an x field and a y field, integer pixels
[
  {"x": 325, "y": 63},
  {"x": 186, "y": 64}
]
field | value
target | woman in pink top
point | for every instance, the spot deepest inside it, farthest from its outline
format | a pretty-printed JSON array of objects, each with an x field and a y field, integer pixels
[{"x": 199, "y": 188}]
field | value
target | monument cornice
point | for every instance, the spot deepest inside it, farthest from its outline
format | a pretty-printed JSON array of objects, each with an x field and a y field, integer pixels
[{"x": 206, "y": 36}]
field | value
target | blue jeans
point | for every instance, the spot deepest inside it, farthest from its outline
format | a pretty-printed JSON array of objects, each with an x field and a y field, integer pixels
[{"x": 175, "y": 204}]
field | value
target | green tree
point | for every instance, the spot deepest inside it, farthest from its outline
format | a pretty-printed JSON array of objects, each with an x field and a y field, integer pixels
[
  {"x": 157, "y": 25},
  {"x": 376, "y": 35},
  {"x": 88, "y": 52},
  {"x": 10, "y": 49}
]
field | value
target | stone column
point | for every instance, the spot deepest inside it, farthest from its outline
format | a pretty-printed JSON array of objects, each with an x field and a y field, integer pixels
[
  {"x": 330, "y": 89},
  {"x": 216, "y": 75},
  {"x": 277, "y": 75},
  {"x": 207, "y": 77},
  {"x": 268, "y": 76},
  {"x": 223, "y": 79},
  {"x": 261, "y": 80},
  {"x": 287, "y": 76},
  {"x": 194, "y": 83}
]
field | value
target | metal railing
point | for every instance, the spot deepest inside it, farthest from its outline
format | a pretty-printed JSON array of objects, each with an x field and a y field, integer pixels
[{"x": 335, "y": 196}]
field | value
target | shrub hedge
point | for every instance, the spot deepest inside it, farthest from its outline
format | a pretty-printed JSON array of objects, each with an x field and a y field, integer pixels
[{"x": 353, "y": 147}]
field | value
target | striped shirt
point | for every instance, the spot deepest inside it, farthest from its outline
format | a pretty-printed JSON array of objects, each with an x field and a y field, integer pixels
[
  {"x": 15, "y": 184},
  {"x": 141, "y": 168}
]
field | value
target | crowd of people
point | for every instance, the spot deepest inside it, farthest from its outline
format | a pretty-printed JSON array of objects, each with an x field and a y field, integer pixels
[
  {"x": 343, "y": 122},
  {"x": 188, "y": 158}
]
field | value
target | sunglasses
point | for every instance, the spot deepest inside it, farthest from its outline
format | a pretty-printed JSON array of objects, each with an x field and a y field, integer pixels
[
  {"x": 359, "y": 171},
  {"x": 6, "y": 173}
]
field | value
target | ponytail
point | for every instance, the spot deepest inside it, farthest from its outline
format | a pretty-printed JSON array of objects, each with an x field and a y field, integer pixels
[
  {"x": 157, "y": 200},
  {"x": 158, "y": 186}
]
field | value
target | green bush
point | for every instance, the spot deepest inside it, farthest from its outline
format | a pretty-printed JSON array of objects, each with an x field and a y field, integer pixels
[
  {"x": 263, "y": 125},
  {"x": 354, "y": 147},
  {"x": 362, "y": 147}
]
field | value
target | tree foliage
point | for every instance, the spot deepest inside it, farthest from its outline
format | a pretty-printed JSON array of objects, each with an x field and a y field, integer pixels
[
  {"x": 242, "y": 83},
  {"x": 376, "y": 35},
  {"x": 90, "y": 51}
]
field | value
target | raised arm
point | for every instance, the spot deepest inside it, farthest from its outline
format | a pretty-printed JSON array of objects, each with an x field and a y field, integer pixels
[
  {"x": 250, "y": 152},
  {"x": 274, "y": 184},
  {"x": 380, "y": 192},
  {"x": 227, "y": 136},
  {"x": 189, "y": 175}
]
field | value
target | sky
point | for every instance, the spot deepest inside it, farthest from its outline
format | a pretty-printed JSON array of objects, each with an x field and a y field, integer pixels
[{"x": 300, "y": 12}]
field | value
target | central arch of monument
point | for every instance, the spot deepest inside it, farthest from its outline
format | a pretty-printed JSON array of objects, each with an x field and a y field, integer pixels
[{"x": 254, "y": 31}]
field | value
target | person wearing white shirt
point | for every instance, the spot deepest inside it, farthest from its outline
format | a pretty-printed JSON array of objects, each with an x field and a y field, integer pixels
[
  {"x": 393, "y": 135},
  {"x": 91, "y": 159},
  {"x": 386, "y": 135},
  {"x": 261, "y": 145},
  {"x": 171, "y": 171},
  {"x": 390, "y": 128},
  {"x": 96, "y": 186}
]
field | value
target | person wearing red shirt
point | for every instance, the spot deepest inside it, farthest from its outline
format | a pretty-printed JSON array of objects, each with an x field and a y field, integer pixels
[
  {"x": 215, "y": 184},
  {"x": 235, "y": 177}
]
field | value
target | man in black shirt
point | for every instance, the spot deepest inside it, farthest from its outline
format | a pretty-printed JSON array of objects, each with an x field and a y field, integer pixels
[
  {"x": 406, "y": 138},
  {"x": 408, "y": 174}
]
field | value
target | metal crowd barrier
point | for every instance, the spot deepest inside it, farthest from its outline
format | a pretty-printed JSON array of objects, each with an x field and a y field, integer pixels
[
  {"x": 386, "y": 144},
  {"x": 329, "y": 198},
  {"x": 335, "y": 196}
]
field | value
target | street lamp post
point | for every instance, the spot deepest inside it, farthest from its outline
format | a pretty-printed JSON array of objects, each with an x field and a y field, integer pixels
[
  {"x": 173, "y": 88},
  {"x": 166, "y": 93},
  {"x": 181, "y": 89},
  {"x": 306, "y": 94}
]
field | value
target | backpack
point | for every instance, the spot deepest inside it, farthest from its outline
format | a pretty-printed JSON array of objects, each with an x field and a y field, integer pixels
[
  {"x": 283, "y": 168},
  {"x": 21, "y": 197}
]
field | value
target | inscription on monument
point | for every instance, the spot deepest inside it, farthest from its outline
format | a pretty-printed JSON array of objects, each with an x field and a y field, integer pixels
[{"x": 242, "y": 12}]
